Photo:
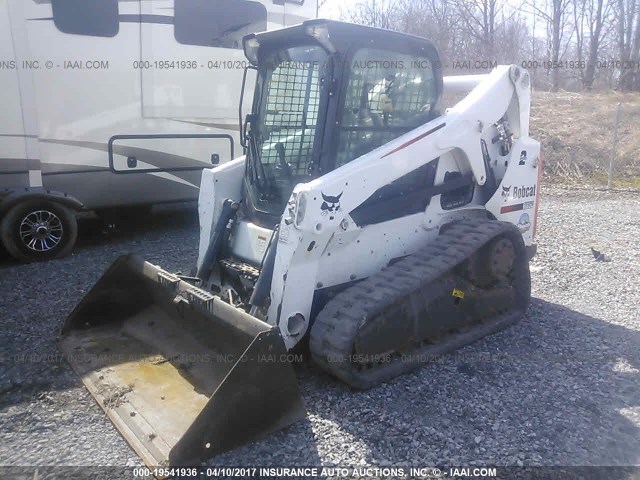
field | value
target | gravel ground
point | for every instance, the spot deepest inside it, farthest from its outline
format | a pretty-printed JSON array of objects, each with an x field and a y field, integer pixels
[{"x": 562, "y": 387}]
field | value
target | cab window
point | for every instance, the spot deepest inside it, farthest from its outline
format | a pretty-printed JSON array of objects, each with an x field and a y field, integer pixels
[{"x": 387, "y": 94}]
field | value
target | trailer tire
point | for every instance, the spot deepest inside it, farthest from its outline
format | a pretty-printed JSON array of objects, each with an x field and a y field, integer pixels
[{"x": 39, "y": 229}]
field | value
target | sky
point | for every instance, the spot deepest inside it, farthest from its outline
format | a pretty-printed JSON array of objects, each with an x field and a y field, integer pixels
[{"x": 332, "y": 9}]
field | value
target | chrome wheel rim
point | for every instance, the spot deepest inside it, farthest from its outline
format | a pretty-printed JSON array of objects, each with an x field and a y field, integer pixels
[{"x": 41, "y": 231}]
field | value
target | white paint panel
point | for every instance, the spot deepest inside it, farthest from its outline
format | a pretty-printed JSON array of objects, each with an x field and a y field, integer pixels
[
  {"x": 517, "y": 188},
  {"x": 206, "y": 86},
  {"x": 70, "y": 111},
  {"x": 216, "y": 186},
  {"x": 12, "y": 141},
  {"x": 250, "y": 242},
  {"x": 73, "y": 102}
]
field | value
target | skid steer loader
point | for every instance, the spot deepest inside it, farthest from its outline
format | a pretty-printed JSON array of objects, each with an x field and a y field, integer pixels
[{"x": 365, "y": 223}]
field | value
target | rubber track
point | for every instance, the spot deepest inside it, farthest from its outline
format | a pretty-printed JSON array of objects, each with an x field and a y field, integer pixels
[{"x": 336, "y": 326}]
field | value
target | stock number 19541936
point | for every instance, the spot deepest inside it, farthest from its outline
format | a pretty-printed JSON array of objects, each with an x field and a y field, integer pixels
[
  {"x": 162, "y": 472},
  {"x": 165, "y": 65}
]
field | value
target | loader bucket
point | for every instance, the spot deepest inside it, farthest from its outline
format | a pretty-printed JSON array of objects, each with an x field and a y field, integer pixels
[{"x": 182, "y": 374}]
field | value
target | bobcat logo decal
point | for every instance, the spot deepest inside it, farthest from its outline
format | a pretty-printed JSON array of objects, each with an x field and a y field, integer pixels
[
  {"x": 506, "y": 191},
  {"x": 330, "y": 205}
]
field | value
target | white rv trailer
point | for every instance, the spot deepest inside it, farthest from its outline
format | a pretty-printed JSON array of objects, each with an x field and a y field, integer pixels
[{"x": 112, "y": 103}]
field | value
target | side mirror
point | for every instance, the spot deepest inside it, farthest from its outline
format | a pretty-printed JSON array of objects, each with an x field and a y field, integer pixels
[
  {"x": 215, "y": 159},
  {"x": 132, "y": 162}
]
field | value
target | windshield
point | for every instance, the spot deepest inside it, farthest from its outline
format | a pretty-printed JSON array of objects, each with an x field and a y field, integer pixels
[
  {"x": 282, "y": 136},
  {"x": 388, "y": 94}
]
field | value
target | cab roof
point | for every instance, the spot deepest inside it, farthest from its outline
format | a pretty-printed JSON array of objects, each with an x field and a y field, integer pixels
[{"x": 343, "y": 36}]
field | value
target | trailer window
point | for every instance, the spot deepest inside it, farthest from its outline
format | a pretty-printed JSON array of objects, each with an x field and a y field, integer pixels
[
  {"x": 387, "y": 94},
  {"x": 217, "y": 23},
  {"x": 96, "y": 18}
]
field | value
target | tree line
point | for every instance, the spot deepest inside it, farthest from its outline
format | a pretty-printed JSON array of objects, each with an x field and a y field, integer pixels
[{"x": 565, "y": 44}]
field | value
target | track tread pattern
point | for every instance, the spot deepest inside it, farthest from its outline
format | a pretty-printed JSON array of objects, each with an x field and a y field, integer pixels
[{"x": 337, "y": 324}]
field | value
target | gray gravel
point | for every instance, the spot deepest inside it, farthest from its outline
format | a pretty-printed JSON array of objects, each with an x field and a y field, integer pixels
[{"x": 562, "y": 387}]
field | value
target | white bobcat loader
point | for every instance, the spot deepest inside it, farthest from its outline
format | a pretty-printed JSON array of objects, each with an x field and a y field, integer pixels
[{"x": 365, "y": 223}]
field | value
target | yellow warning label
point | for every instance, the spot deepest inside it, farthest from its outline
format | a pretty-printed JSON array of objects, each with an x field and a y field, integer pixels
[{"x": 457, "y": 293}]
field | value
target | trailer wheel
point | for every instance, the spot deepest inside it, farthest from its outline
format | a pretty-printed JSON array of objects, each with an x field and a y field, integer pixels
[{"x": 37, "y": 230}]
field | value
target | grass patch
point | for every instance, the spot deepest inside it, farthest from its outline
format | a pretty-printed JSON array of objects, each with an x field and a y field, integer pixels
[{"x": 576, "y": 134}]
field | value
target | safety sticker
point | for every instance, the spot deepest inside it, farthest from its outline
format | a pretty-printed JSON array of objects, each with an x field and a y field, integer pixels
[{"x": 457, "y": 293}]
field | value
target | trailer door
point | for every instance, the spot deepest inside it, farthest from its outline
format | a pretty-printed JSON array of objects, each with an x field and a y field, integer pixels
[{"x": 193, "y": 61}]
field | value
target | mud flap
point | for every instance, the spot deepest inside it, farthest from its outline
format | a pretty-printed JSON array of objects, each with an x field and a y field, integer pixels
[{"x": 182, "y": 374}]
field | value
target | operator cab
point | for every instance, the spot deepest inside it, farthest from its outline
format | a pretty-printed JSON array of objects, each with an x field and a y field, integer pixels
[{"x": 327, "y": 93}]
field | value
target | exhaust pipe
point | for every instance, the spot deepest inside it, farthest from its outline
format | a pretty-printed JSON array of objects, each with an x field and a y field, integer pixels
[{"x": 181, "y": 374}]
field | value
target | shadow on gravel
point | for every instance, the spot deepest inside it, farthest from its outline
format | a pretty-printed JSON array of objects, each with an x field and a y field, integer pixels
[
  {"x": 294, "y": 446},
  {"x": 93, "y": 232},
  {"x": 558, "y": 388}
]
